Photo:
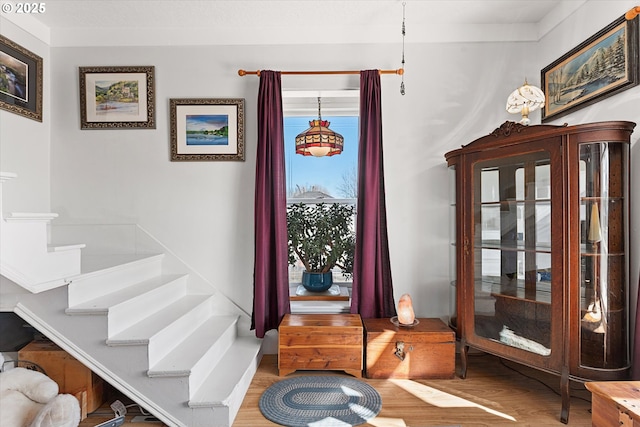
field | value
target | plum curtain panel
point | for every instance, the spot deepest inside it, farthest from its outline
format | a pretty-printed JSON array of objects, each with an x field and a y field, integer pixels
[
  {"x": 372, "y": 293},
  {"x": 270, "y": 275}
]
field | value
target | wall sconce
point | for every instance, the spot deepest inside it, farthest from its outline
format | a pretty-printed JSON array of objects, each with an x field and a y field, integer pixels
[
  {"x": 524, "y": 100},
  {"x": 319, "y": 140}
]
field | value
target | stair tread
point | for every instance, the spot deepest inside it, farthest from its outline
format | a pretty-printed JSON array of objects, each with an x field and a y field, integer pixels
[
  {"x": 109, "y": 300},
  {"x": 147, "y": 328},
  {"x": 227, "y": 374},
  {"x": 67, "y": 247},
  {"x": 194, "y": 346},
  {"x": 30, "y": 216}
]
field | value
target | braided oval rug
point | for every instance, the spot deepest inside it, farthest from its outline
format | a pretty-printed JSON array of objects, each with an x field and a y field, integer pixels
[{"x": 320, "y": 401}]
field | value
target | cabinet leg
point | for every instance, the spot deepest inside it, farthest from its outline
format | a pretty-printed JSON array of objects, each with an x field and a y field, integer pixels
[
  {"x": 464, "y": 353},
  {"x": 566, "y": 395}
]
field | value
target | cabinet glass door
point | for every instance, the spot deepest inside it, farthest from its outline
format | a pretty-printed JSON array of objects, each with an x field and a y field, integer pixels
[
  {"x": 603, "y": 264},
  {"x": 512, "y": 251}
]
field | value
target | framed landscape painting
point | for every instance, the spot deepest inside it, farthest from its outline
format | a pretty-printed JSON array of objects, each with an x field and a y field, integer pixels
[
  {"x": 117, "y": 98},
  {"x": 603, "y": 65},
  {"x": 207, "y": 129},
  {"x": 20, "y": 80}
]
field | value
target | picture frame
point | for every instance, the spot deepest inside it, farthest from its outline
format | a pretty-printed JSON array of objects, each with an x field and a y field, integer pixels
[
  {"x": 117, "y": 97},
  {"x": 20, "y": 80},
  {"x": 601, "y": 66},
  {"x": 205, "y": 129}
]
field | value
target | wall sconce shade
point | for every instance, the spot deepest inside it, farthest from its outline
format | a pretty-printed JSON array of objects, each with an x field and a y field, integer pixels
[
  {"x": 319, "y": 140},
  {"x": 525, "y": 99}
]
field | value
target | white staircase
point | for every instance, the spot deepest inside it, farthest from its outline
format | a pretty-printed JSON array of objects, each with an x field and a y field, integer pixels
[{"x": 133, "y": 313}]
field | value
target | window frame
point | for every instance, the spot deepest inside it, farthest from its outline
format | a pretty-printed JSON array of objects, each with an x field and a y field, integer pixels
[{"x": 334, "y": 103}]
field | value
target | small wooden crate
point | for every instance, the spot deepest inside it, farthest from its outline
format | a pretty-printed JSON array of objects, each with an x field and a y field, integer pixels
[
  {"x": 321, "y": 342},
  {"x": 428, "y": 350},
  {"x": 615, "y": 403},
  {"x": 71, "y": 376}
]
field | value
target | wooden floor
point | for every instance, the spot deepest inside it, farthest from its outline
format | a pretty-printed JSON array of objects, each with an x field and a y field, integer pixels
[{"x": 495, "y": 393}]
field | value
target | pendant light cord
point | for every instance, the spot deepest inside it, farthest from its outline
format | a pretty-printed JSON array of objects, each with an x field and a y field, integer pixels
[{"x": 403, "y": 34}]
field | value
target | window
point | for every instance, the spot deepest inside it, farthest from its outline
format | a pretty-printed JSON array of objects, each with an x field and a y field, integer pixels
[
  {"x": 311, "y": 177},
  {"x": 321, "y": 179}
]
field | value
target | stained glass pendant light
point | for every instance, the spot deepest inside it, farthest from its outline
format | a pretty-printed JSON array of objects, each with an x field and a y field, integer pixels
[{"x": 319, "y": 140}]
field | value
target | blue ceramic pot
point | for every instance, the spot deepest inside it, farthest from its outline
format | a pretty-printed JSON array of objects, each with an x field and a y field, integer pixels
[{"x": 317, "y": 282}]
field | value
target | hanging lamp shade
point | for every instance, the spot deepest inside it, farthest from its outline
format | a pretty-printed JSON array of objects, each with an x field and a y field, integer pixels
[
  {"x": 319, "y": 140},
  {"x": 524, "y": 100}
]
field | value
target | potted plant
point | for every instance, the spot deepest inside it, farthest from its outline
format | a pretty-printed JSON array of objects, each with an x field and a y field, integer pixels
[{"x": 321, "y": 236}]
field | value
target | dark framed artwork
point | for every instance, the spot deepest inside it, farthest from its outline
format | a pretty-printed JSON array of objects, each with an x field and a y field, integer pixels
[
  {"x": 117, "y": 97},
  {"x": 20, "y": 80},
  {"x": 601, "y": 66},
  {"x": 207, "y": 129}
]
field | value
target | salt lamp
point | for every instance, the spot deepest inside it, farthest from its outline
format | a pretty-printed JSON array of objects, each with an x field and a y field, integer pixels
[{"x": 406, "y": 315}]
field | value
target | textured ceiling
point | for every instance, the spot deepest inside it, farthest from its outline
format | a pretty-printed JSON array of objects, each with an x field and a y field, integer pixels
[{"x": 103, "y": 22}]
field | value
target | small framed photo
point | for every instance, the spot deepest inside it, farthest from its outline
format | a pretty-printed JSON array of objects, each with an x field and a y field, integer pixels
[
  {"x": 20, "y": 80},
  {"x": 117, "y": 97},
  {"x": 207, "y": 129},
  {"x": 601, "y": 66}
]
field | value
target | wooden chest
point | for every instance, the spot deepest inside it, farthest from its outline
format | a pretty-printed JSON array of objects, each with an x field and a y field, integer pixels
[
  {"x": 71, "y": 375},
  {"x": 615, "y": 403},
  {"x": 321, "y": 342},
  {"x": 424, "y": 351}
]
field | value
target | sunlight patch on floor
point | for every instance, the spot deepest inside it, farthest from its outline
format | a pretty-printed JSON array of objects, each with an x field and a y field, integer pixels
[
  {"x": 329, "y": 422},
  {"x": 387, "y": 422},
  {"x": 441, "y": 399}
]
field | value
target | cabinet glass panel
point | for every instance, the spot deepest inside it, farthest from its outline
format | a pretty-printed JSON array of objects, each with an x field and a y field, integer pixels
[
  {"x": 512, "y": 251},
  {"x": 453, "y": 256},
  {"x": 603, "y": 264}
]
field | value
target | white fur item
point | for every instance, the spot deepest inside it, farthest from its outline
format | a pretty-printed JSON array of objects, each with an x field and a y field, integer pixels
[{"x": 30, "y": 399}]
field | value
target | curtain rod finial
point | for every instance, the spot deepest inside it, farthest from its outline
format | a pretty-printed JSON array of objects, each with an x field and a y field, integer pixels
[
  {"x": 632, "y": 13},
  {"x": 242, "y": 73}
]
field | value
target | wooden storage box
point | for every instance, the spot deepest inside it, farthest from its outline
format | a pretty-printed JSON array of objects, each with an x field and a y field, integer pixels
[
  {"x": 71, "y": 375},
  {"x": 615, "y": 403},
  {"x": 321, "y": 342},
  {"x": 424, "y": 351}
]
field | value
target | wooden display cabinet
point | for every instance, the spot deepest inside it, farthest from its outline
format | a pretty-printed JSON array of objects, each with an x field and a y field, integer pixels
[{"x": 541, "y": 249}]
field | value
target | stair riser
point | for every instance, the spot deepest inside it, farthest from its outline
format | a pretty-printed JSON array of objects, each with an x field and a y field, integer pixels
[
  {"x": 23, "y": 237},
  {"x": 232, "y": 399},
  {"x": 98, "y": 284},
  {"x": 208, "y": 362},
  {"x": 136, "y": 309},
  {"x": 41, "y": 273},
  {"x": 237, "y": 396},
  {"x": 166, "y": 340},
  {"x": 27, "y": 260},
  {"x": 211, "y": 417}
]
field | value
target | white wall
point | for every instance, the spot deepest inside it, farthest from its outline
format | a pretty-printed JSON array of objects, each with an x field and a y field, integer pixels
[{"x": 25, "y": 143}]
